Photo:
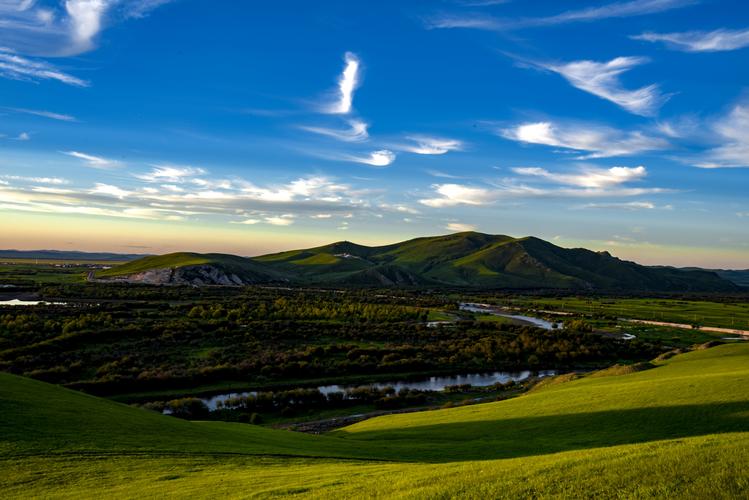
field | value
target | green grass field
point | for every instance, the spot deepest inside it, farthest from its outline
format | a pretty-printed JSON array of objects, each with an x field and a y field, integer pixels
[
  {"x": 678, "y": 430},
  {"x": 703, "y": 312}
]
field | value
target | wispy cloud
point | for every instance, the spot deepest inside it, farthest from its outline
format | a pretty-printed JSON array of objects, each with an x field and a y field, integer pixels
[
  {"x": 630, "y": 206},
  {"x": 15, "y": 67},
  {"x": 347, "y": 83},
  {"x": 602, "y": 80},
  {"x": 460, "y": 227},
  {"x": 732, "y": 131},
  {"x": 424, "y": 145},
  {"x": 170, "y": 173},
  {"x": 65, "y": 28},
  {"x": 44, "y": 114},
  {"x": 587, "y": 177},
  {"x": 381, "y": 158},
  {"x": 586, "y": 183},
  {"x": 91, "y": 160},
  {"x": 589, "y": 14},
  {"x": 598, "y": 141},
  {"x": 357, "y": 131},
  {"x": 23, "y": 136},
  {"x": 701, "y": 41}
]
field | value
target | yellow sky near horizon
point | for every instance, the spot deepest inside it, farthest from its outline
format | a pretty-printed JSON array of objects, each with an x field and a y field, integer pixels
[{"x": 24, "y": 231}]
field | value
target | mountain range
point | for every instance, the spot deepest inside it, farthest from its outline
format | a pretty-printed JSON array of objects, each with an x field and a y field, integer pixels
[{"x": 468, "y": 259}]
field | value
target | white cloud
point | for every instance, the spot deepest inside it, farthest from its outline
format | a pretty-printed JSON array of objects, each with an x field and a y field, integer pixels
[
  {"x": 701, "y": 41},
  {"x": 381, "y": 158},
  {"x": 432, "y": 145},
  {"x": 249, "y": 222},
  {"x": 65, "y": 27},
  {"x": 357, "y": 131},
  {"x": 587, "y": 183},
  {"x": 321, "y": 216},
  {"x": 91, "y": 160},
  {"x": 602, "y": 80},
  {"x": 85, "y": 20},
  {"x": 109, "y": 190},
  {"x": 588, "y": 177},
  {"x": 599, "y": 141},
  {"x": 23, "y": 136},
  {"x": 460, "y": 227},
  {"x": 15, "y": 67},
  {"x": 281, "y": 220},
  {"x": 171, "y": 173},
  {"x": 742, "y": 214},
  {"x": 456, "y": 194},
  {"x": 607, "y": 11},
  {"x": 44, "y": 114},
  {"x": 732, "y": 131},
  {"x": 347, "y": 84}
]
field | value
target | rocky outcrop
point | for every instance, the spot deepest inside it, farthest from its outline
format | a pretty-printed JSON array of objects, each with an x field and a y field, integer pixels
[{"x": 200, "y": 275}]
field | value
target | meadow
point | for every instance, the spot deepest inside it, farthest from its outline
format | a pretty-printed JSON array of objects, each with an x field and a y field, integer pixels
[{"x": 680, "y": 429}]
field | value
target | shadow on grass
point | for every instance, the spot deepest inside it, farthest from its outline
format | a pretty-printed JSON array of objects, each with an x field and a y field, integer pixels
[{"x": 521, "y": 437}]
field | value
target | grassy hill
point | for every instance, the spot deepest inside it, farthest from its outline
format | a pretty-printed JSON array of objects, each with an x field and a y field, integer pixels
[
  {"x": 476, "y": 259},
  {"x": 680, "y": 429},
  {"x": 467, "y": 259},
  {"x": 192, "y": 265}
]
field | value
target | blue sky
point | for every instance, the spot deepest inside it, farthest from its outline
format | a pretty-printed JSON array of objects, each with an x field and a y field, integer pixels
[{"x": 157, "y": 125}]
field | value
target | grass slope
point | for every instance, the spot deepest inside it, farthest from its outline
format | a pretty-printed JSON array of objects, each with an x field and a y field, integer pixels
[{"x": 678, "y": 430}]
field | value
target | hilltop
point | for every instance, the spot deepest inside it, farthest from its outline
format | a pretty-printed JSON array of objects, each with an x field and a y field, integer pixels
[
  {"x": 467, "y": 259},
  {"x": 679, "y": 429}
]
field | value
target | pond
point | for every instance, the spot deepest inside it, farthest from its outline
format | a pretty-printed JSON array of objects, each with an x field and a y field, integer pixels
[{"x": 437, "y": 383}]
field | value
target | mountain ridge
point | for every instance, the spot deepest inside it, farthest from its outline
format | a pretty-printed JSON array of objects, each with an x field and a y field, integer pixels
[{"x": 467, "y": 259}]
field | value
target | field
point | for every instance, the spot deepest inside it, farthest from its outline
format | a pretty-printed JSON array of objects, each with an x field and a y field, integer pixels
[
  {"x": 680, "y": 429},
  {"x": 727, "y": 313}
]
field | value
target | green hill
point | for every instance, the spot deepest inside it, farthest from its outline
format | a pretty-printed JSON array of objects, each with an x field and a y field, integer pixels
[
  {"x": 680, "y": 429},
  {"x": 458, "y": 260},
  {"x": 476, "y": 259},
  {"x": 193, "y": 268}
]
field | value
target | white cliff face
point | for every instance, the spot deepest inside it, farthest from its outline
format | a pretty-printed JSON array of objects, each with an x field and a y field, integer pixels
[{"x": 190, "y": 275}]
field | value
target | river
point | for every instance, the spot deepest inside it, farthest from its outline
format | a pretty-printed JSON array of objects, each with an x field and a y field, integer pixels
[
  {"x": 494, "y": 310},
  {"x": 437, "y": 383}
]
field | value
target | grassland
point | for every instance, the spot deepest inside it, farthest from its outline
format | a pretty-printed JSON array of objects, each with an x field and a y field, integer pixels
[
  {"x": 728, "y": 314},
  {"x": 678, "y": 430}
]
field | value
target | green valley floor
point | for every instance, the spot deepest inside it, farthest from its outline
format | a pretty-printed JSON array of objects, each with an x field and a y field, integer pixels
[{"x": 680, "y": 429}]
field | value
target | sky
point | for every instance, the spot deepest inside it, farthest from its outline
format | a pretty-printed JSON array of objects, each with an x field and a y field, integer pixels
[{"x": 152, "y": 126}]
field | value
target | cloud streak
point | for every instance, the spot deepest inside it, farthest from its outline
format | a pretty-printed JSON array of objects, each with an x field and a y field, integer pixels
[
  {"x": 630, "y": 8},
  {"x": 91, "y": 160},
  {"x": 357, "y": 131},
  {"x": 602, "y": 80},
  {"x": 598, "y": 141},
  {"x": 719, "y": 40},
  {"x": 15, "y": 67}
]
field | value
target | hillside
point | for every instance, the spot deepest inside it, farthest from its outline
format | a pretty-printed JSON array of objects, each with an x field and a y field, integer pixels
[
  {"x": 680, "y": 429},
  {"x": 476, "y": 259},
  {"x": 192, "y": 269}
]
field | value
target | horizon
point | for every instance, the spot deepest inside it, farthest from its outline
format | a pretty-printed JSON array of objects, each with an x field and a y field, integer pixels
[
  {"x": 282, "y": 250},
  {"x": 149, "y": 127}
]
